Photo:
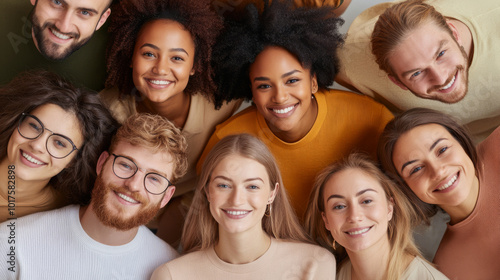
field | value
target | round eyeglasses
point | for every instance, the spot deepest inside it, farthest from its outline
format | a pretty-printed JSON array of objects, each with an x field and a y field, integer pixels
[
  {"x": 125, "y": 168},
  {"x": 58, "y": 145}
]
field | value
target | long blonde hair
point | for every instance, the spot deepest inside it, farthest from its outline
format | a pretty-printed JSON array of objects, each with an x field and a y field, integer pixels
[
  {"x": 399, "y": 227},
  {"x": 201, "y": 230}
]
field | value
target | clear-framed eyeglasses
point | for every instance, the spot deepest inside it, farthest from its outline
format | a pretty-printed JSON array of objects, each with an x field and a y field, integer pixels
[
  {"x": 125, "y": 168},
  {"x": 58, "y": 145}
]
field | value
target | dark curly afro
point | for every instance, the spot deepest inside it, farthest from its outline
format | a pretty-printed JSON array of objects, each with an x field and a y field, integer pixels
[
  {"x": 127, "y": 18},
  {"x": 310, "y": 34}
]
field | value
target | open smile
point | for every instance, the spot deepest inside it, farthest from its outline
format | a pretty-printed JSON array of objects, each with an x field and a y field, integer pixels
[
  {"x": 32, "y": 159},
  {"x": 283, "y": 111},
  {"x": 236, "y": 214},
  {"x": 357, "y": 232},
  {"x": 448, "y": 184},
  {"x": 127, "y": 198},
  {"x": 448, "y": 87}
]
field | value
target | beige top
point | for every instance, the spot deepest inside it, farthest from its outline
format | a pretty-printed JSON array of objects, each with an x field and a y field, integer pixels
[
  {"x": 47, "y": 200},
  {"x": 200, "y": 124},
  {"x": 418, "y": 269},
  {"x": 283, "y": 260}
]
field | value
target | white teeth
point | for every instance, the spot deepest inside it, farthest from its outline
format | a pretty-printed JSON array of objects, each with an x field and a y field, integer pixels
[
  {"x": 127, "y": 198},
  {"x": 283, "y": 111},
  {"x": 358, "y": 231},
  {"x": 159, "y": 82},
  {"x": 450, "y": 182},
  {"x": 30, "y": 159},
  {"x": 237, "y": 213},
  {"x": 449, "y": 84},
  {"x": 60, "y": 35}
]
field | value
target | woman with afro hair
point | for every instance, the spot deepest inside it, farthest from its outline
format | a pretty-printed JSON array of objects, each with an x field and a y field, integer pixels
[
  {"x": 158, "y": 61},
  {"x": 283, "y": 59}
]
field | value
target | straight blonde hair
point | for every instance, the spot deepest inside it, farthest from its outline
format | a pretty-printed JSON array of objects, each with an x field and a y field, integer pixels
[
  {"x": 399, "y": 227},
  {"x": 201, "y": 230}
]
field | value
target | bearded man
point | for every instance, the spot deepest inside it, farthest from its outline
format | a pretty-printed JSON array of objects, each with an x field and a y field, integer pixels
[{"x": 106, "y": 239}]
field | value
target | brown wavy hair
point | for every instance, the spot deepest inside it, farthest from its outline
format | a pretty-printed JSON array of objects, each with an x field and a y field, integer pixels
[{"x": 30, "y": 90}]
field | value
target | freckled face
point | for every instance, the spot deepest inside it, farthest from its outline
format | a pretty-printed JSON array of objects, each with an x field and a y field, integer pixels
[
  {"x": 357, "y": 211},
  {"x": 434, "y": 165},
  {"x": 163, "y": 60},
  {"x": 282, "y": 92},
  {"x": 431, "y": 64},
  {"x": 239, "y": 191}
]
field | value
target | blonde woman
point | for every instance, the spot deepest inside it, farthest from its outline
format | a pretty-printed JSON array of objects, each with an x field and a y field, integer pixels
[
  {"x": 358, "y": 211},
  {"x": 241, "y": 225}
]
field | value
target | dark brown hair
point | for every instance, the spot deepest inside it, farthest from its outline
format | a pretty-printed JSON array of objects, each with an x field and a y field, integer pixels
[
  {"x": 30, "y": 90},
  {"x": 406, "y": 122}
]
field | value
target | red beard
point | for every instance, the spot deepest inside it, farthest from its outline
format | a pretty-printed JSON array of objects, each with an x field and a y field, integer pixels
[{"x": 100, "y": 195}]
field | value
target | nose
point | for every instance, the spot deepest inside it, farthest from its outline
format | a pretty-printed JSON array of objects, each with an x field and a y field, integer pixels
[
  {"x": 136, "y": 182},
  {"x": 436, "y": 169},
  {"x": 39, "y": 144},
  {"x": 237, "y": 196},
  {"x": 63, "y": 23},
  {"x": 438, "y": 74},
  {"x": 162, "y": 66},
  {"x": 280, "y": 95},
  {"x": 355, "y": 213}
]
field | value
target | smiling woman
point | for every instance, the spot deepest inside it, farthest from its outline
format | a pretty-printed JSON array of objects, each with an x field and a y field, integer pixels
[
  {"x": 355, "y": 205},
  {"x": 435, "y": 163},
  {"x": 158, "y": 62},
  {"x": 241, "y": 225},
  {"x": 284, "y": 59},
  {"x": 51, "y": 136}
]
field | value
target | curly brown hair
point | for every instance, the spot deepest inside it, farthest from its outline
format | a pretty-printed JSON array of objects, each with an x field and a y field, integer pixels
[{"x": 129, "y": 16}]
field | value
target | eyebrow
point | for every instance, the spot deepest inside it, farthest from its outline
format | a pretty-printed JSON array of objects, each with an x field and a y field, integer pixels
[
  {"x": 147, "y": 170},
  {"x": 357, "y": 194},
  {"x": 282, "y": 76},
  {"x": 430, "y": 149},
  {"x": 229, "y": 179},
  {"x": 157, "y": 48},
  {"x": 441, "y": 44}
]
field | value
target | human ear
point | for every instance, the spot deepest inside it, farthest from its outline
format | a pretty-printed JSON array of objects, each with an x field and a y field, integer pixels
[
  {"x": 454, "y": 32},
  {"x": 273, "y": 193},
  {"x": 100, "y": 162},
  {"x": 397, "y": 82},
  {"x": 103, "y": 18},
  {"x": 390, "y": 208},
  {"x": 314, "y": 84},
  {"x": 33, "y": 2},
  {"x": 325, "y": 220},
  {"x": 168, "y": 195}
]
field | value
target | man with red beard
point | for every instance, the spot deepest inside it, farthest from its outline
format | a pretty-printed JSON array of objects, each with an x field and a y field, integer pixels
[
  {"x": 106, "y": 239},
  {"x": 442, "y": 51},
  {"x": 49, "y": 35}
]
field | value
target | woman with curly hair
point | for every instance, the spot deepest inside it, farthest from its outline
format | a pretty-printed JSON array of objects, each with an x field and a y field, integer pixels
[
  {"x": 51, "y": 136},
  {"x": 356, "y": 209},
  {"x": 241, "y": 225},
  {"x": 234, "y": 9},
  {"x": 283, "y": 60},
  {"x": 158, "y": 62}
]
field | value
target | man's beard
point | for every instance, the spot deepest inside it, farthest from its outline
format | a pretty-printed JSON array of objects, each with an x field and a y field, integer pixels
[
  {"x": 100, "y": 195},
  {"x": 52, "y": 50}
]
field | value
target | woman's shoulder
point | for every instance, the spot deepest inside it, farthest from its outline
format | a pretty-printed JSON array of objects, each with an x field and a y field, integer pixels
[
  {"x": 307, "y": 250},
  {"x": 421, "y": 269}
]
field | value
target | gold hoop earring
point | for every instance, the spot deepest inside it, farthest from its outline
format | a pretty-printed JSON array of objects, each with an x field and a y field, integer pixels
[
  {"x": 333, "y": 244},
  {"x": 269, "y": 207}
]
